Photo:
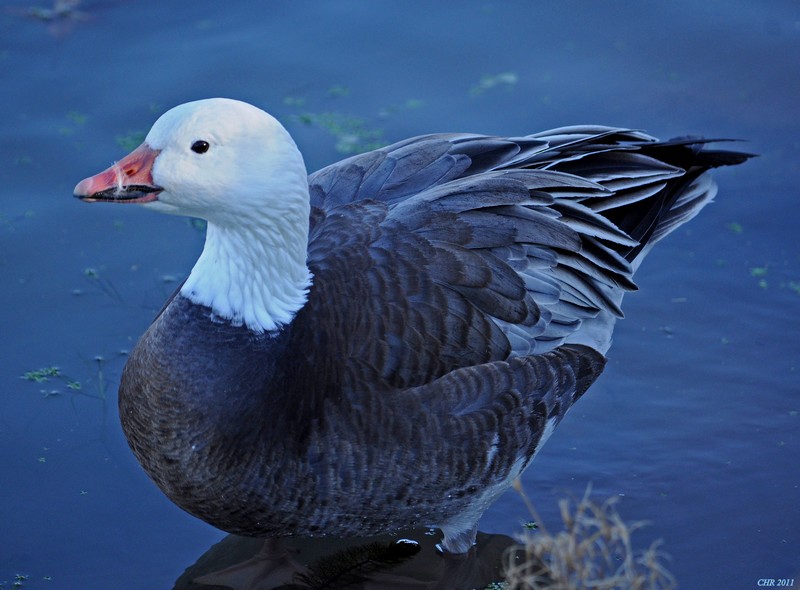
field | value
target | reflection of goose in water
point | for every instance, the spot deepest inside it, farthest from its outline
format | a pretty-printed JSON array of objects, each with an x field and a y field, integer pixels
[
  {"x": 406, "y": 561},
  {"x": 388, "y": 342}
]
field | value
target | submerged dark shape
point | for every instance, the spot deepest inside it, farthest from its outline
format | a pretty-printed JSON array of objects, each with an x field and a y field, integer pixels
[{"x": 389, "y": 345}]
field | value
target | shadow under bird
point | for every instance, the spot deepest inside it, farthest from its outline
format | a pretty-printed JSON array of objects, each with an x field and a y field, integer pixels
[{"x": 388, "y": 342}]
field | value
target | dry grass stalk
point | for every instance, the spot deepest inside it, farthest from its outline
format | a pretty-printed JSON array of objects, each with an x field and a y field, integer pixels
[{"x": 594, "y": 551}]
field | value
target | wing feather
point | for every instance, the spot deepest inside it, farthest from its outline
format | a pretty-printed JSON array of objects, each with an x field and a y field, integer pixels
[{"x": 474, "y": 248}]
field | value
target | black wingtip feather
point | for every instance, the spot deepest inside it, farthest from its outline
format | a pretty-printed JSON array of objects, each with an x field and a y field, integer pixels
[{"x": 690, "y": 152}]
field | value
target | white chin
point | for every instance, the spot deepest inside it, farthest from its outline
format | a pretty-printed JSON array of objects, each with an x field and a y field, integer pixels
[{"x": 163, "y": 207}]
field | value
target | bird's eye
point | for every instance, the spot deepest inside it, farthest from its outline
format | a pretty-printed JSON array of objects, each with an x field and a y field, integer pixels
[{"x": 200, "y": 146}]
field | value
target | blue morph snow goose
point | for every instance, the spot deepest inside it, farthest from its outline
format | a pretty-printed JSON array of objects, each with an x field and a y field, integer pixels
[{"x": 388, "y": 342}]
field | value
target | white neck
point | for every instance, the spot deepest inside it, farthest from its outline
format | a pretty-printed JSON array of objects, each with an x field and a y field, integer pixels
[{"x": 254, "y": 274}]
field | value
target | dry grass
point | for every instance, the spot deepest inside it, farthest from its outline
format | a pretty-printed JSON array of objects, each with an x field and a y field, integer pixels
[{"x": 594, "y": 551}]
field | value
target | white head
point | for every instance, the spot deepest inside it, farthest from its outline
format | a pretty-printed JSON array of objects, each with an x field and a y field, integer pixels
[
  {"x": 223, "y": 160},
  {"x": 236, "y": 166}
]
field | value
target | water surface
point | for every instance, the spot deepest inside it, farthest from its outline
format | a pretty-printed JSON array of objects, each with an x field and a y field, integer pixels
[{"x": 694, "y": 423}]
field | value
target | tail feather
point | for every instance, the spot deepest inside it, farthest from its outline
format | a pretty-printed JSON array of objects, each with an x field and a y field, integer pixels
[{"x": 656, "y": 187}]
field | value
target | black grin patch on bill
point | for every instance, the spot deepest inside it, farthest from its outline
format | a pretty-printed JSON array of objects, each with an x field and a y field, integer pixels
[{"x": 128, "y": 194}]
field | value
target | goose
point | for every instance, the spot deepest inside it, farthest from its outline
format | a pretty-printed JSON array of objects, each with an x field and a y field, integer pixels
[{"x": 388, "y": 342}]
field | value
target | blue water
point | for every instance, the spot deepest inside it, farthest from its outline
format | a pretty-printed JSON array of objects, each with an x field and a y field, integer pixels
[{"x": 694, "y": 424}]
